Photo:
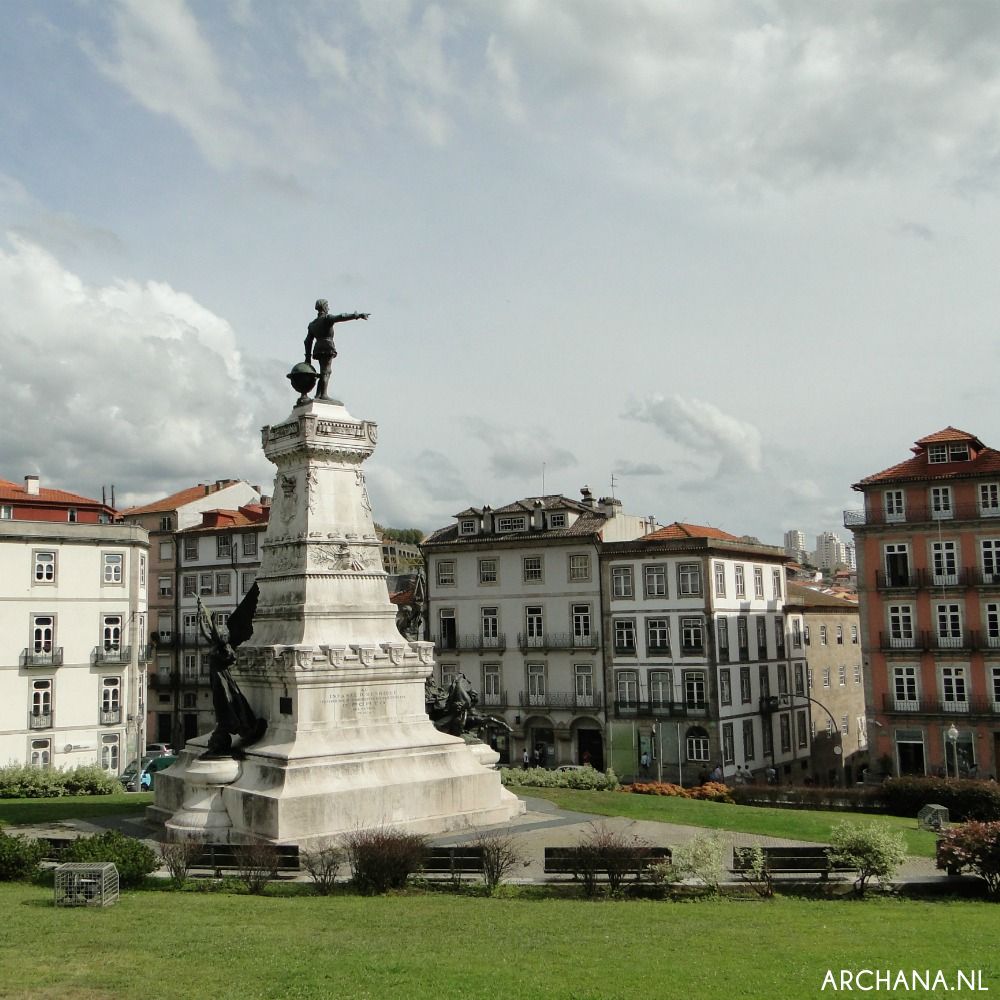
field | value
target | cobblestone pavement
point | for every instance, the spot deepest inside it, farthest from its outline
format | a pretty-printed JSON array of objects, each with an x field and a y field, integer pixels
[{"x": 542, "y": 825}]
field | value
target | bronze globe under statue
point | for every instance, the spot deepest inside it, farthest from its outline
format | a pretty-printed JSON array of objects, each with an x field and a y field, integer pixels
[
  {"x": 319, "y": 342},
  {"x": 303, "y": 377}
]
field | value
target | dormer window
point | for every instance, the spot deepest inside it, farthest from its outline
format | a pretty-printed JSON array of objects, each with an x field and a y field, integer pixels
[
  {"x": 958, "y": 453},
  {"x": 512, "y": 524},
  {"x": 937, "y": 453},
  {"x": 467, "y": 527},
  {"x": 557, "y": 520}
]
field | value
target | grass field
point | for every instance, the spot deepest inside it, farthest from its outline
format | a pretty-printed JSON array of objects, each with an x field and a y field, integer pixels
[
  {"x": 193, "y": 945},
  {"x": 795, "y": 824},
  {"x": 73, "y": 807}
]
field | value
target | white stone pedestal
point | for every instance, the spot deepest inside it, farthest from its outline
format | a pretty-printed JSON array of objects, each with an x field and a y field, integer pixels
[{"x": 348, "y": 743}]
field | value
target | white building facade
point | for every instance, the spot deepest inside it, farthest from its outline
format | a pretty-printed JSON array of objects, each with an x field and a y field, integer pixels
[{"x": 73, "y": 642}]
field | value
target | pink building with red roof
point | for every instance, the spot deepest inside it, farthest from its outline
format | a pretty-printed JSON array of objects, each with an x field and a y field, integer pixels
[{"x": 928, "y": 549}]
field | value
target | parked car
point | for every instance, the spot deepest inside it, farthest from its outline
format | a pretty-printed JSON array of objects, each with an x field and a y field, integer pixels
[
  {"x": 135, "y": 780},
  {"x": 158, "y": 749}
]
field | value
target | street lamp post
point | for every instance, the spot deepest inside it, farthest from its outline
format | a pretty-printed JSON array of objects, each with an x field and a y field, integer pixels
[{"x": 952, "y": 737}]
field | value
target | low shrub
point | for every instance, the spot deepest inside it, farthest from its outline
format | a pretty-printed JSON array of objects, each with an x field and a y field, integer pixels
[
  {"x": 874, "y": 849},
  {"x": 18, "y": 781},
  {"x": 613, "y": 853},
  {"x": 323, "y": 865},
  {"x": 500, "y": 857},
  {"x": 133, "y": 859},
  {"x": 584, "y": 778},
  {"x": 973, "y": 847},
  {"x": 19, "y": 857},
  {"x": 801, "y": 797},
  {"x": 383, "y": 858},
  {"x": 758, "y": 873},
  {"x": 178, "y": 856},
  {"x": 711, "y": 791},
  {"x": 256, "y": 865},
  {"x": 699, "y": 859},
  {"x": 965, "y": 799}
]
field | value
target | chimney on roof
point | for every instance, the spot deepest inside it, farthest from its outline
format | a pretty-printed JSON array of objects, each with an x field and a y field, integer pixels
[
  {"x": 220, "y": 483},
  {"x": 588, "y": 497},
  {"x": 537, "y": 522},
  {"x": 609, "y": 506},
  {"x": 31, "y": 485},
  {"x": 488, "y": 519}
]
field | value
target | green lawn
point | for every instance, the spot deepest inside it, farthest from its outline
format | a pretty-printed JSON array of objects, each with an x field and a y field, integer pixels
[
  {"x": 177, "y": 946},
  {"x": 795, "y": 824},
  {"x": 73, "y": 807}
]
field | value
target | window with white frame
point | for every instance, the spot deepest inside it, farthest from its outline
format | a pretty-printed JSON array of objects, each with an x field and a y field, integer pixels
[
  {"x": 692, "y": 635},
  {"x": 719, "y": 573},
  {"x": 111, "y": 633},
  {"x": 41, "y": 704},
  {"x": 694, "y": 689},
  {"x": 557, "y": 520},
  {"x": 488, "y": 574},
  {"x": 6, "y": 512},
  {"x": 112, "y": 564},
  {"x": 621, "y": 581},
  {"x": 166, "y": 551},
  {"x": 166, "y": 523},
  {"x": 725, "y": 686},
  {"x": 840, "y": 635},
  {"x": 854, "y": 635},
  {"x": 842, "y": 675},
  {"x": 728, "y": 745},
  {"x": 165, "y": 586},
  {"x": 761, "y": 624},
  {"x": 937, "y": 453},
  {"x": 627, "y": 687},
  {"x": 249, "y": 543},
  {"x": 944, "y": 560},
  {"x": 655, "y": 580},
  {"x": 491, "y": 684},
  {"x": 110, "y": 752},
  {"x": 823, "y": 635},
  {"x": 990, "y": 549},
  {"x": 165, "y": 626},
  {"x": 857, "y": 673},
  {"x": 689, "y": 580},
  {"x": 447, "y": 629},
  {"x": 797, "y": 633},
  {"x": 625, "y": 636},
  {"x": 445, "y": 570},
  {"x": 579, "y": 567},
  {"x": 43, "y": 632},
  {"x": 223, "y": 581},
  {"x": 536, "y": 683},
  {"x": 809, "y": 677},
  {"x": 191, "y": 626},
  {"x": 583, "y": 681},
  {"x": 505, "y": 524},
  {"x": 989, "y": 499},
  {"x": 767, "y": 737},
  {"x": 800, "y": 685},
  {"x": 741, "y": 580},
  {"x": 995, "y": 688},
  {"x": 467, "y": 526},
  {"x": 993, "y": 625},
  {"x": 221, "y": 619},
  {"x": 142, "y": 572},
  {"x": 900, "y": 625},
  {"x": 897, "y": 564},
  {"x": 490, "y": 618},
  {"x": 785, "y": 727},
  {"x": 532, "y": 568},
  {"x": 223, "y": 546},
  {"x": 941, "y": 509},
  {"x": 205, "y": 584},
  {"x": 657, "y": 636},
  {"x": 958, "y": 451},
  {"x": 826, "y": 677},
  {"x": 205, "y": 665},
  {"x": 748, "y": 742},
  {"x": 758, "y": 583},
  {"x": 580, "y": 613},
  {"x": 41, "y": 753},
  {"x": 111, "y": 694},
  {"x": 802, "y": 730},
  {"x": 661, "y": 688},
  {"x": 247, "y": 578},
  {"x": 746, "y": 685},
  {"x": 954, "y": 693},
  {"x": 782, "y": 678},
  {"x": 776, "y": 583},
  {"x": 190, "y": 667},
  {"x": 534, "y": 625},
  {"x": 45, "y": 566},
  {"x": 722, "y": 637},
  {"x": 742, "y": 636},
  {"x": 190, "y": 549},
  {"x": 779, "y": 635},
  {"x": 949, "y": 624},
  {"x": 697, "y": 744}
]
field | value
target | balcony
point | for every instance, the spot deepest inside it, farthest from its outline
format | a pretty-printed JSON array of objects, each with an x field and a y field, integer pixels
[
  {"x": 146, "y": 653},
  {"x": 659, "y": 708},
  {"x": 112, "y": 654},
  {"x": 40, "y": 720},
  {"x": 961, "y": 640},
  {"x": 160, "y": 682},
  {"x": 774, "y": 703},
  {"x": 494, "y": 699},
  {"x": 557, "y": 640},
  {"x": 916, "y": 513},
  {"x": 908, "y": 641},
  {"x": 42, "y": 658},
  {"x": 692, "y": 649},
  {"x": 981, "y": 578},
  {"x": 559, "y": 699},
  {"x": 111, "y": 716},
  {"x": 478, "y": 643},
  {"x": 939, "y": 706},
  {"x": 908, "y": 580}
]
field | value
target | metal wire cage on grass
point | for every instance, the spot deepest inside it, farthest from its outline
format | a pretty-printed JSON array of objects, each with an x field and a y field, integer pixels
[{"x": 86, "y": 883}]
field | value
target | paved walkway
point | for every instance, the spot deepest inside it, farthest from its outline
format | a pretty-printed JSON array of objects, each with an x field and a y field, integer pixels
[{"x": 543, "y": 825}]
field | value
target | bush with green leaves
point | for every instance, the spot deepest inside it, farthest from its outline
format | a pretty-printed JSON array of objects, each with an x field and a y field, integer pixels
[
  {"x": 964, "y": 799},
  {"x": 383, "y": 858},
  {"x": 757, "y": 873},
  {"x": 133, "y": 859},
  {"x": 973, "y": 847},
  {"x": 874, "y": 849},
  {"x": 699, "y": 859},
  {"x": 18, "y": 781},
  {"x": 19, "y": 857},
  {"x": 584, "y": 778}
]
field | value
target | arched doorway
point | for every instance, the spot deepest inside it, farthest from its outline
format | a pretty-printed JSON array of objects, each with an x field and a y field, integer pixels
[{"x": 588, "y": 743}]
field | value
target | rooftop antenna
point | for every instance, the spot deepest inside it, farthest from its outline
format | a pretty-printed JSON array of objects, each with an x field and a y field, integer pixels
[
  {"x": 543, "y": 479},
  {"x": 614, "y": 483}
]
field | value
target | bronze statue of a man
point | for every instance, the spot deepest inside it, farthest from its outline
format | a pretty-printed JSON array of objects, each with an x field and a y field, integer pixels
[{"x": 319, "y": 342}]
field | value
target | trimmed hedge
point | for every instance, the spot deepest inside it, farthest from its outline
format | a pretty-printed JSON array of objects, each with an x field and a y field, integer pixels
[
  {"x": 584, "y": 778},
  {"x": 711, "y": 791},
  {"x": 19, "y": 857},
  {"x": 18, "y": 781},
  {"x": 801, "y": 797},
  {"x": 133, "y": 859},
  {"x": 965, "y": 799}
]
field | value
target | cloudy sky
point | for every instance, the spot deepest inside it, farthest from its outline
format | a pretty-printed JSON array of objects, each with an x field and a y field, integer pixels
[{"x": 735, "y": 254}]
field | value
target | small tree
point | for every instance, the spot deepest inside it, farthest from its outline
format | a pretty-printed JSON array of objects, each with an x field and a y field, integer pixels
[
  {"x": 700, "y": 859},
  {"x": 757, "y": 874},
  {"x": 178, "y": 857},
  {"x": 323, "y": 865},
  {"x": 973, "y": 847},
  {"x": 257, "y": 864},
  {"x": 500, "y": 857},
  {"x": 874, "y": 849}
]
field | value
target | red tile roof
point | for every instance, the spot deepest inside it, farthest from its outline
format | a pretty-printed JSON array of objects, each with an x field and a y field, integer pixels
[
  {"x": 681, "y": 530},
  {"x": 222, "y": 519},
  {"x": 949, "y": 434},
  {"x": 178, "y": 499},
  {"x": 986, "y": 463},
  {"x": 16, "y": 491}
]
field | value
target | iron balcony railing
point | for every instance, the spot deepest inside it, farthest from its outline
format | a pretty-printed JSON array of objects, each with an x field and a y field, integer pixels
[
  {"x": 494, "y": 699},
  {"x": 111, "y": 716},
  {"x": 922, "y": 640},
  {"x": 478, "y": 642},
  {"x": 42, "y": 657},
  {"x": 775, "y": 702},
  {"x": 39, "y": 720},
  {"x": 146, "y": 653},
  {"x": 645, "y": 707},
  {"x": 112, "y": 654},
  {"x": 917, "y": 513},
  {"x": 557, "y": 640},
  {"x": 559, "y": 699},
  {"x": 939, "y": 706}
]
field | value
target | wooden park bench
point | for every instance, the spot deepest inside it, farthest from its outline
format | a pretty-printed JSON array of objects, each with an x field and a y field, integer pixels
[
  {"x": 454, "y": 862},
  {"x": 54, "y": 846},
  {"x": 803, "y": 860},
  {"x": 224, "y": 857},
  {"x": 566, "y": 860}
]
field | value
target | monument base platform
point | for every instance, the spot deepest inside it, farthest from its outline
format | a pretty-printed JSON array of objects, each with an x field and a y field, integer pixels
[{"x": 310, "y": 801}]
